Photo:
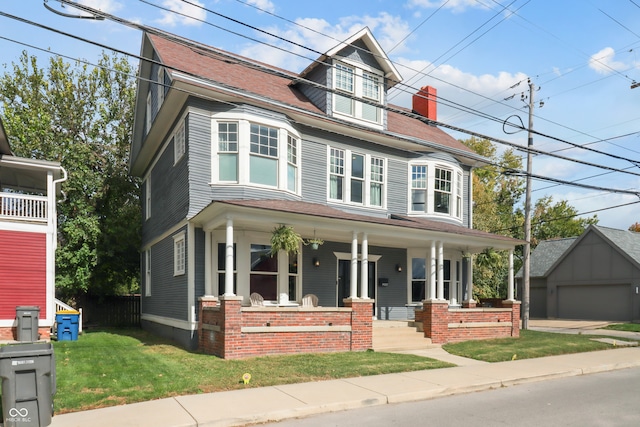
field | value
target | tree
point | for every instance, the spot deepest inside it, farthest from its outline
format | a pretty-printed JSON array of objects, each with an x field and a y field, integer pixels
[
  {"x": 82, "y": 117},
  {"x": 635, "y": 227},
  {"x": 497, "y": 208}
]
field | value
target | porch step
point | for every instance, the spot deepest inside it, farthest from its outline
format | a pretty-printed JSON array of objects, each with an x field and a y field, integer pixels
[{"x": 398, "y": 336}]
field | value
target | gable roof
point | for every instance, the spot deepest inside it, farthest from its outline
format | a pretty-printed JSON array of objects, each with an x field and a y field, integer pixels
[
  {"x": 390, "y": 72},
  {"x": 549, "y": 253},
  {"x": 220, "y": 75},
  {"x": 545, "y": 255}
]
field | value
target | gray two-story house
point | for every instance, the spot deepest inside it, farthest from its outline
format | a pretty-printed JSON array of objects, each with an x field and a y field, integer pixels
[{"x": 230, "y": 149}]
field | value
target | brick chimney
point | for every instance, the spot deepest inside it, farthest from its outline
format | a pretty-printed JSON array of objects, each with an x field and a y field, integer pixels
[{"x": 425, "y": 102}]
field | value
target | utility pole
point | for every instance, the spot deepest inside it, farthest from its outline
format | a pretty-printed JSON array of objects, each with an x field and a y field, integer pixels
[{"x": 526, "y": 252}]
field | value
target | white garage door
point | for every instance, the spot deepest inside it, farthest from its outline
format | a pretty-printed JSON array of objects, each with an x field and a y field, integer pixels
[{"x": 595, "y": 302}]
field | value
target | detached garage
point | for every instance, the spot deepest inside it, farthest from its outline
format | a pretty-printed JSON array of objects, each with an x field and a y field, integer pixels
[{"x": 594, "y": 277}]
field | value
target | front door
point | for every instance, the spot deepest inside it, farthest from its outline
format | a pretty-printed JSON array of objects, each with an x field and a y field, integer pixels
[{"x": 344, "y": 280}]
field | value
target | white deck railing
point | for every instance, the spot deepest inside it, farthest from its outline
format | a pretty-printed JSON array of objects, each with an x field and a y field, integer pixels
[
  {"x": 62, "y": 306},
  {"x": 23, "y": 207}
]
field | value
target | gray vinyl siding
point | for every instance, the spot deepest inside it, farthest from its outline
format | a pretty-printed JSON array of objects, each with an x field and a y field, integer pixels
[
  {"x": 390, "y": 300},
  {"x": 154, "y": 89},
  {"x": 168, "y": 292},
  {"x": 169, "y": 191},
  {"x": 199, "y": 163},
  {"x": 397, "y": 186},
  {"x": 317, "y": 96},
  {"x": 313, "y": 171},
  {"x": 467, "y": 201},
  {"x": 359, "y": 52}
]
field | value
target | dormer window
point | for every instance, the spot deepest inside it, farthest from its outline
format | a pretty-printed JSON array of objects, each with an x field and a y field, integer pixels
[{"x": 357, "y": 82}]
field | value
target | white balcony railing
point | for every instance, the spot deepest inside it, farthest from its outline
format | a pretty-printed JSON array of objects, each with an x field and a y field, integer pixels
[{"x": 22, "y": 207}]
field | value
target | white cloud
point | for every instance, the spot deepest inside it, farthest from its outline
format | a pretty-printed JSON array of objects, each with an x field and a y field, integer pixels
[
  {"x": 266, "y": 5},
  {"x": 320, "y": 36},
  {"x": 603, "y": 62},
  {"x": 454, "y": 5},
  {"x": 187, "y": 14}
]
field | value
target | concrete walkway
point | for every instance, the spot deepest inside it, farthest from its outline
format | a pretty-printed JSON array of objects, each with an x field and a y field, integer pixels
[{"x": 256, "y": 405}]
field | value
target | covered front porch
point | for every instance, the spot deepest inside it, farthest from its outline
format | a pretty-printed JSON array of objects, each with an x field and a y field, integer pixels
[{"x": 394, "y": 264}]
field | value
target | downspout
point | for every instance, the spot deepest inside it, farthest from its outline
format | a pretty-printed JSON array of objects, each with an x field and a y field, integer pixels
[{"x": 55, "y": 217}]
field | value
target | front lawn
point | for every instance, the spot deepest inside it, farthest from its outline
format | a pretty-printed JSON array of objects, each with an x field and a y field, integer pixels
[
  {"x": 107, "y": 368},
  {"x": 529, "y": 345},
  {"x": 627, "y": 327}
]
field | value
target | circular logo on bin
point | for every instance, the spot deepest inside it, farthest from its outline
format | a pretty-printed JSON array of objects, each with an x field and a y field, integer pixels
[{"x": 22, "y": 412}]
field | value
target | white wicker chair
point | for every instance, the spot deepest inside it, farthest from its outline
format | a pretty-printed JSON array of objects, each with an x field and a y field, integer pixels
[
  {"x": 310, "y": 300},
  {"x": 256, "y": 300}
]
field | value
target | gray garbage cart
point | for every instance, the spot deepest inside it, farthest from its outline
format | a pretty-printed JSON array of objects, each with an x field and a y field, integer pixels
[
  {"x": 28, "y": 374},
  {"x": 28, "y": 318}
]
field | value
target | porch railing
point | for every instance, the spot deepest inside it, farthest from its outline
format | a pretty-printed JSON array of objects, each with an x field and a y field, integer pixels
[
  {"x": 23, "y": 207},
  {"x": 62, "y": 306}
]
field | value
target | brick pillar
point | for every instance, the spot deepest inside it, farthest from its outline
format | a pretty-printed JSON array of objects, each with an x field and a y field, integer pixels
[
  {"x": 515, "y": 316},
  {"x": 231, "y": 328},
  {"x": 469, "y": 304},
  {"x": 435, "y": 320},
  {"x": 361, "y": 323},
  {"x": 206, "y": 301}
]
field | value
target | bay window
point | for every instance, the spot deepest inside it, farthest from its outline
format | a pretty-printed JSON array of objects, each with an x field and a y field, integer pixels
[
  {"x": 442, "y": 191},
  {"x": 250, "y": 153},
  {"x": 435, "y": 189}
]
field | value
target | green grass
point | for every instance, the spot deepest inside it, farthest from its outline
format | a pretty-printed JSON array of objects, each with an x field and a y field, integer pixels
[
  {"x": 107, "y": 368},
  {"x": 627, "y": 327},
  {"x": 529, "y": 345}
]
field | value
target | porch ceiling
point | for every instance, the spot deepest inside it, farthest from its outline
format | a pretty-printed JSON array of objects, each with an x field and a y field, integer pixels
[
  {"x": 26, "y": 174},
  {"x": 332, "y": 224}
]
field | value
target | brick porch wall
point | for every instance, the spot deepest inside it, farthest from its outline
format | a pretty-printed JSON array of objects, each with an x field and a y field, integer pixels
[
  {"x": 443, "y": 324},
  {"x": 230, "y": 331},
  {"x": 10, "y": 334}
]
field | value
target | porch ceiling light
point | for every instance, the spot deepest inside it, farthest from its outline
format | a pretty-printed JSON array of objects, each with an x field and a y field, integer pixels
[
  {"x": 316, "y": 262},
  {"x": 398, "y": 268}
]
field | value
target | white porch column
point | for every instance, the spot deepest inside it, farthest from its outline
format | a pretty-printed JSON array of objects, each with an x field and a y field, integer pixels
[
  {"x": 440, "y": 271},
  {"x": 453, "y": 284},
  {"x": 228, "y": 260},
  {"x": 208, "y": 290},
  {"x": 353, "y": 291},
  {"x": 364, "y": 275},
  {"x": 470, "y": 278},
  {"x": 432, "y": 272},
  {"x": 510, "y": 286}
]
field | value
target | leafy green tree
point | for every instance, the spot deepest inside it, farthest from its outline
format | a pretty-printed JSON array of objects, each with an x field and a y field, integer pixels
[
  {"x": 82, "y": 117},
  {"x": 554, "y": 221}
]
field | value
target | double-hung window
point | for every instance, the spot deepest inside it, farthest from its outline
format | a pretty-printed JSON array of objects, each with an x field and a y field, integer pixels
[
  {"x": 147, "y": 198},
  {"x": 458, "y": 195},
  {"x": 355, "y": 85},
  {"x": 228, "y": 151},
  {"x": 356, "y": 178},
  {"x": 179, "y": 254},
  {"x": 419, "y": 188},
  {"x": 147, "y": 275},
  {"x": 336, "y": 174},
  {"x": 179, "y": 144},
  {"x": 292, "y": 163},
  {"x": 263, "y": 161},
  {"x": 442, "y": 191},
  {"x": 377, "y": 181},
  {"x": 160, "y": 86}
]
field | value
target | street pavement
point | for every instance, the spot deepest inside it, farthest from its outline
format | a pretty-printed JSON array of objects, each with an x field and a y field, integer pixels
[{"x": 259, "y": 405}]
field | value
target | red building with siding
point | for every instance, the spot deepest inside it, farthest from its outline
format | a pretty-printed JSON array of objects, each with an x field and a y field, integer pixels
[{"x": 27, "y": 237}]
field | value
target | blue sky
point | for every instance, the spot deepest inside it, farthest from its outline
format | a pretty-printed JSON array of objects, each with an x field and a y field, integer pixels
[{"x": 583, "y": 55}]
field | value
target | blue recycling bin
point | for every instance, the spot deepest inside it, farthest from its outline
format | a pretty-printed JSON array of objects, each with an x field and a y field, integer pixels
[{"x": 67, "y": 325}]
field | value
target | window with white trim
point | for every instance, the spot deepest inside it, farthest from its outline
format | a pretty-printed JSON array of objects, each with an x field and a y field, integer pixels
[
  {"x": 442, "y": 191},
  {"x": 222, "y": 265},
  {"x": 160, "y": 80},
  {"x": 263, "y": 163},
  {"x": 147, "y": 198},
  {"x": 352, "y": 82},
  {"x": 419, "y": 188},
  {"x": 147, "y": 275},
  {"x": 292, "y": 164},
  {"x": 179, "y": 254},
  {"x": 435, "y": 189},
  {"x": 147, "y": 123},
  {"x": 179, "y": 144},
  {"x": 360, "y": 180},
  {"x": 228, "y": 151}
]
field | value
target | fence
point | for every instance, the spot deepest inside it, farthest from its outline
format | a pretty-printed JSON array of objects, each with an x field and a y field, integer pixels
[{"x": 112, "y": 310}]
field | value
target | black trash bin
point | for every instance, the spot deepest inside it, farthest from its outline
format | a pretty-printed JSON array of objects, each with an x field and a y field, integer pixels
[
  {"x": 28, "y": 318},
  {"x": 28, "y": 373}
]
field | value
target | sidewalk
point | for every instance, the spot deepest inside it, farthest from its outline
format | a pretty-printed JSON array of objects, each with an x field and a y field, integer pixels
[{"x": 240, "y": 407}]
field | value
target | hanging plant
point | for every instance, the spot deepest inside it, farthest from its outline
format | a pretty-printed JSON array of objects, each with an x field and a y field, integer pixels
[
  {"x": 285, "y": 238},
  {"x": 314, "y": 243}
]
